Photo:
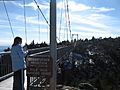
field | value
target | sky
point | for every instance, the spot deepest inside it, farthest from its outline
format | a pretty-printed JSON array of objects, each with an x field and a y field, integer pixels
[{"x": 88, "y": 18}]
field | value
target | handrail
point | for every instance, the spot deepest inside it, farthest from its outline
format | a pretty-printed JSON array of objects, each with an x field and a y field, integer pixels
[
  {"x": 5, "y": 63},
  {"x": 5, "y": 59}
]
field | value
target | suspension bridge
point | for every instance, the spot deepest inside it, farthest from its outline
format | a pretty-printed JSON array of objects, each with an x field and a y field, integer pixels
[{"x": 42, "y": 63}]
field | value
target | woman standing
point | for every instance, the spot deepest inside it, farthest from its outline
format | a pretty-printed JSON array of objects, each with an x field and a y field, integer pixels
[{"x": 18, "y": 64}]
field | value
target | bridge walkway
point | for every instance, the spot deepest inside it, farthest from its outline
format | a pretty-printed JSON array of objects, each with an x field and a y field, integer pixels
[{"x": 7, "y": 84}]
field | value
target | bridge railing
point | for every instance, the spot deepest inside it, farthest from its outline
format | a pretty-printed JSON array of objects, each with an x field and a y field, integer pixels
[
  {"x": 5, "y": 63},
  {"x": 39, "y": 67}
]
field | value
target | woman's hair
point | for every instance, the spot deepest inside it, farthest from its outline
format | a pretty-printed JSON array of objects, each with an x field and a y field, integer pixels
[{"x": 17, "y": 40}]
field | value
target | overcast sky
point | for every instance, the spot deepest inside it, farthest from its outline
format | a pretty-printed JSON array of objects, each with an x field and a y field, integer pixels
[{"x": 98, "y": 18}]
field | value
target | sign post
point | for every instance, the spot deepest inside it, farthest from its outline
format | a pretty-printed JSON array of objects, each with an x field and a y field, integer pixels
[{"x": 53, "y": 43}]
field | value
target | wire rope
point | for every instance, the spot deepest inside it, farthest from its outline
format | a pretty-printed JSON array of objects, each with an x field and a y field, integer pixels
[
  {"x": 25, "y": 21},
  {"x": 39, "y": 26},
  {"x": 68, "y": 19},
  {"x": 8, "y": 19},
  {"x": 60, "y": 21},
  {"x": 41, "y": 12}
]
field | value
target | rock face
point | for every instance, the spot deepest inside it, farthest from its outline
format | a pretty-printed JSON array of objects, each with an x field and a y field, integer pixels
[{"x": 93, "y": 65}]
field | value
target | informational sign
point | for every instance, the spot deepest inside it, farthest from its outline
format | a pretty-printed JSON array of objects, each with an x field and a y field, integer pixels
[{"x": 39, "y": 66}]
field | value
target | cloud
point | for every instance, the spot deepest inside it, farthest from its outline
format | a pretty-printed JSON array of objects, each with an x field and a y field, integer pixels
[
  {"x": 73, "y": 6},
  {"x": 32, "y": 5},
  {"x": 77, "y": 7},
  {"x": 17, "y": 4},
  {"x": 79, "y": 19},
  {"x": 30, "y": 20},
  {"x": 87, "y": 21},
  {"x": 102, "y": 9},
  {"x": 93, "y": 23},
  {"x": 89, "y": 29},
  {"x": 34, "y": 30}
]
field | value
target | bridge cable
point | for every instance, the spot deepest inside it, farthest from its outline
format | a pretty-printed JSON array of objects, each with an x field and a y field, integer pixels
[
  {"x": 68, "y": 19},
  {"x": 41, "y": 12},
  {"x": 43, "y": 15},
  {"x": 60, "y": 20},
  {"x": 65, "y": 18},
  {"x": 39, "y": 25},
  {"x": 8, "y": 19},
  {"x": 25, "y": 21}
]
